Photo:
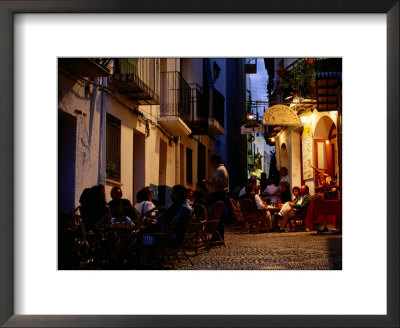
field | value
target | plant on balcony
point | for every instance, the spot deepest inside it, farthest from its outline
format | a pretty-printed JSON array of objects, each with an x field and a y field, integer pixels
[{"x": 299, "y": 80}]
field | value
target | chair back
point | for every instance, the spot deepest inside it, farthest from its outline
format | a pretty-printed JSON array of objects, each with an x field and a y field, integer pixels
[
  {"x": 249, "y": 210},
  {"x": 199, "y": 212},
  {"x": 236, "y": 210},
  {"x": 214, "y": 212}
]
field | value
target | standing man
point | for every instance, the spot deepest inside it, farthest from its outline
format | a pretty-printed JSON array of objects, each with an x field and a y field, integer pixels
[{"x": 218, "y": 185}]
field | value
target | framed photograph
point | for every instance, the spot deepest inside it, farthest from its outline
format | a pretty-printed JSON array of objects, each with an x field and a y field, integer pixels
[{"x": 34, "y": 34}]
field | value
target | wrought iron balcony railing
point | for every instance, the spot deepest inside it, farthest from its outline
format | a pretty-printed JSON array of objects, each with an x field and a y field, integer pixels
[
  {"x": 175, "y": 96},
  {"x": 199, "y": 110},
  {"x": 137, "y": 78},
  {"x": 85, "y": 67}
]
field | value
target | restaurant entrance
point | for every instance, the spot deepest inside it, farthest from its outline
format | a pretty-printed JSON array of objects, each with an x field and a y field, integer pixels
[{"x": 325, "y": 148}]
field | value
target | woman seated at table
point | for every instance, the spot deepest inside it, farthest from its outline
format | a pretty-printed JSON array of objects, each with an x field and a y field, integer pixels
[
  {"x": 300, "y": 202},
  {"x": 143, "y": 201}
]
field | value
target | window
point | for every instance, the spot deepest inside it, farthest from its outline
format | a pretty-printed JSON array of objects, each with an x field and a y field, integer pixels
[
  {"x": 189, "y": 173},
  {"x": 113, "y": 148},
  {"x": 201, "y": 162}
]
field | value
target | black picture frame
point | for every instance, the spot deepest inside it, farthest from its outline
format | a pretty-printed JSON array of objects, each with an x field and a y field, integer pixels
[{"x": 7, "y": 11}]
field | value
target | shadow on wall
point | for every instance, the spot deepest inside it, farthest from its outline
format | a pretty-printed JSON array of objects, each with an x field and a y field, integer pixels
[{"x": 162, "y": 194}]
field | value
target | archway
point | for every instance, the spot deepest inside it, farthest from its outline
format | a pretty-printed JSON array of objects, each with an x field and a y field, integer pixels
[
  {"x": 325, "y": 148},
  {"x": 284, "y": 157}
]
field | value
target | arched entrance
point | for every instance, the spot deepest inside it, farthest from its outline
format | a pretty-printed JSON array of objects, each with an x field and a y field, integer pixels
[
  {"x": 325, "y": 148},
  {"x": 284, "y": 156}
]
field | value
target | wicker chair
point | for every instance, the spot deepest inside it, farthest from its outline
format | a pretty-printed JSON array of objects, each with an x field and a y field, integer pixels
[
  {"x": 195, "y": 237},
  {"x": 254, "y": 218},
  {"x": 214, "y": 213},
  {"x": 72, "y": 243},
  {"x": 239, "y": 223},
  {"x": 158, "y": 249}
]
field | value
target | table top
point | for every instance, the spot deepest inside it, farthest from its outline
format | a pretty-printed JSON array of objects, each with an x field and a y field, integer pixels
[{"x": 273, "y": 208}]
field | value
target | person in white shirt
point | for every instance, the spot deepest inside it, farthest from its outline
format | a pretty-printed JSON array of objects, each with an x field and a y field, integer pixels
[
  {"x": 250, "y": 194},
  {"x": 271, "y": 191},
  {"x": 218, "y": 186},
  {"x": 284, "y": 174},
  {"x": 143, "y": 201}
]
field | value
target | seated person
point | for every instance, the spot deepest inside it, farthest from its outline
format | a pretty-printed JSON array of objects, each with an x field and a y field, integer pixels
[
  {"x": 143, "y": 201},
  {"x": 272, "y": 192},
  {"x": 297, "y": 206},
  {"x": 250, "y": 194},
  {"x": 94, "y": 208},
  {"x": 189, "y": 196},
  {"x": 150, "y": 191},
  {"x": 285, "y": 192},
  {"x": 175, "y": 220},
  {"x": 121, "y": 208},
  {"x": 199, "y": 198},
  {"x": 84, "y": 200},
  {"x": 251, "y": 180}
]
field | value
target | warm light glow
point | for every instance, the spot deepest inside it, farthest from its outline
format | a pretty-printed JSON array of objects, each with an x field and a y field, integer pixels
[
  {"x": 327, "y": 142},
  {"x": 303, "y": 119},
  {"x": 250, "y": 116},
  {"x": 273, "y": 139}
]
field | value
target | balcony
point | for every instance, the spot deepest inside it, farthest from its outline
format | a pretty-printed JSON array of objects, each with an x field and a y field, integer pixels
[
  {"x": 175, "y": 109},
  {"x": 137, "y": 79},
  {"x": 198, "y": 111},
  {"x": 84, "y": 67},
  {"x": 216, "y": 115}
]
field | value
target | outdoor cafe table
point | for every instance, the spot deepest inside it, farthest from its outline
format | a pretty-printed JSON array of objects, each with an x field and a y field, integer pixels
[
  {"x": 273, "y": 210},
  {"x": 324, "y": 212}
]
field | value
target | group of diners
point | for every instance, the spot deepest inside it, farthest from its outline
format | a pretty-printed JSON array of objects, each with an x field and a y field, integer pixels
[
  {"x": 96, "y": 211},
  {"x": 268, "y": 194},
  {"x": 267, "y": 190}
]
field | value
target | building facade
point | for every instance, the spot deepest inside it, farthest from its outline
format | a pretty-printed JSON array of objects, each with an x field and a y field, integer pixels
[
  {"x": 310, "y": 90},
  {"x": 135, "y": 122}
]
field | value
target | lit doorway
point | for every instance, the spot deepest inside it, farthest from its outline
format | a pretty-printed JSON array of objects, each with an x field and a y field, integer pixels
[{"x": 325, "y": 148}]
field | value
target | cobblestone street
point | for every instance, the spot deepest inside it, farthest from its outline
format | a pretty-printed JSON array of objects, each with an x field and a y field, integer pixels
[{"x": 272, "y": 251}]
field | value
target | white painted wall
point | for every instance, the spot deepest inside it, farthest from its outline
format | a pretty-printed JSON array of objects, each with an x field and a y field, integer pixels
[
  {"x": 140, "y": 154},
  {"x": 72, "y": 100},
  {"x": 291, "y": 138}
]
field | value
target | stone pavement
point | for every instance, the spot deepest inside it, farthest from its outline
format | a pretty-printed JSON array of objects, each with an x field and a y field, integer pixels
[{"x": 271, "y": 251}]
